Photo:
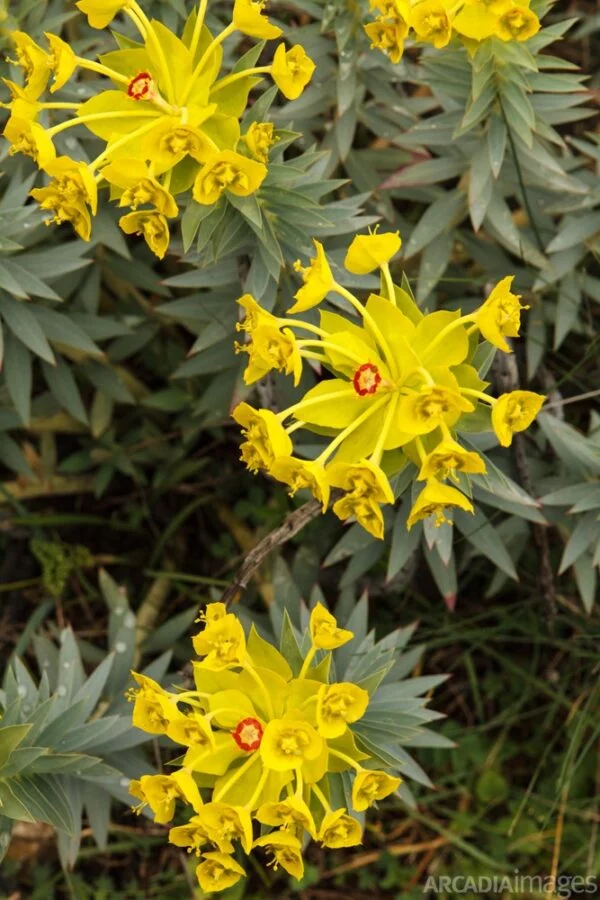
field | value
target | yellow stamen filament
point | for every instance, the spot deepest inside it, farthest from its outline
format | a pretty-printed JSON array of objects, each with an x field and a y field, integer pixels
[
  {"x": 204, "y": 59},
  {"x": 360, "y": 308},
  {"x": 237, "y": 76},
  {"x": 246, "y": 765}
]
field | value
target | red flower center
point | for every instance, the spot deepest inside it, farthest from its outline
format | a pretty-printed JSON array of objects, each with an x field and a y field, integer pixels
[
  {"x": 248, "y": 734},
  {"x": 366, "y": 379},
  {"x": 141, "y": 87}
]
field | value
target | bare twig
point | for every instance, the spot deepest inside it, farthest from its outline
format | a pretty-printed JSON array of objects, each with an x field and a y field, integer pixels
[{"x": 294, "y": 523}]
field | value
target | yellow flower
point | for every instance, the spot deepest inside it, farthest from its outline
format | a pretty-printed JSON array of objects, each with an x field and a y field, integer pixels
[
  {"x": 152, "y": 225},
  {"x": 292, "y": 70},
  {"x": 388, "y": 36},
  {"x": 286, "y": 850},
  {"x": 154, "y": 708},
  {"x": 31, "y": 139},
  {"x": 517, "y": 24},
  {"x": 338, "y": 705},
  {"x": 318, "y": 281},
  {"x": 371, "y": 785},
  {"x": 324, "y": 631},
  {"x": 299, "y": 474},
  {"x": 448, "y": 458},
  {"x": 367, "y": 486},
  {"x": 500, "y": 316},
  {"x": 369, "y": 251},
  {"x": 73, "y": 181},
  {"x": 338, "y": 829},
  {"x": 365, "y": 510},
  {"x": 248, "y": 18},
  {"x": 190, "y": 730},
  {"x": 139, "y": 187},
  {"x": 421, "y": 411},
  {"x": 364, "y": 479},
  {"x": 271, "y": 348},
  {"x": 228, "y": 171},
  {"x": 34, "y": 61},
  {"x": 222, "y": 643},
  {"x": 70, "y": 192},
  {"x": 433, "y": 500},
  {"x": 63, "y": 61},
  {"x": 292, "y": 812},
  {"x": 161, "y": 792},
  {"x": 259, "y": 138},
  {"x": 265, "y": 436},
  {"x": 255, "y": 315},
  {"x": 431, "y": 22},
  {"x": 288, "y": 743},
  {"x": 224, "y": 823},
  {"x": 218, "y": 871},
  {"x": 170, "y": 141},
  {"x": 100, "y": 13},
  {"x": 514, "y": 412},
  {"x": 192, "y": 835}
]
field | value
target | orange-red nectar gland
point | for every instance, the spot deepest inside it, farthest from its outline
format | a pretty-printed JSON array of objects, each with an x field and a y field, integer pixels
[
  {"x": 366, "y": 379},
  {"x": 141, "y": 87},
  {"x": 248, "y": 734}
]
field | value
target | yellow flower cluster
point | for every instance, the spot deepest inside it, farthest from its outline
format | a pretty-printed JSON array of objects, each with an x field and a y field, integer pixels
[
  {"x": 169, "y": 121},
  {"x": 259, "y": 744},
  {"x": 437, "y": 21},
  {"x": 403, "y": 384}
]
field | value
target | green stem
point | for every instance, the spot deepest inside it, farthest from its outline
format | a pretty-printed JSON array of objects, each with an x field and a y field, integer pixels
[
  {"x": 236, "y": 76},
  {"x": 388, "y": 282},
  {"x": 327, "y": 452},
  {"x": 200, "y": 16},
  {"x": 249, "y": 668},
  {"x": 479, "y": 395},
  {"x": 101, "y": 69},
  {"x": 335, "y": 348},
  {"x": 235, "y": 777},
  {"x": 107, "y": 153},
  {"x": 439, "y": 338},
  {"x": 378, "y": 451},
  {"x": 321, "y": 797},
  {"x": 98, "y": 117},
  {"x": 361, "y": 309},
  {"x": 203, "y": 59},
  {"x": 307, "y": 661},
  {"x": 304, "y": 404},
  {"x": 250, "y": 805},
  {"x": 60, "y": 105},
  {"x": 347, "y": 759}
]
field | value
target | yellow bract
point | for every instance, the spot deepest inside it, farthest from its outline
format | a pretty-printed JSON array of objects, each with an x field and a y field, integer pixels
[
  {"x": 292, "y": 70},
  {"x": 260, "y": 743},
  {"x": 370, "y": 251},
  {"x": 398, "y": 389},
  {"x": 169, "y": 120},
  {"x": 515, "y": 412}
]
